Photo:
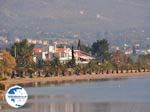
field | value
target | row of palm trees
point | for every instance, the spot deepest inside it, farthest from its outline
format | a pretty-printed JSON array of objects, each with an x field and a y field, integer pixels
[{"x": 55, "y": 68}]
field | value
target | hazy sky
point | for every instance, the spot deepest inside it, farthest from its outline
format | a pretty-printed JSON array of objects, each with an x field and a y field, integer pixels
[{"x": 84, "y": 14}]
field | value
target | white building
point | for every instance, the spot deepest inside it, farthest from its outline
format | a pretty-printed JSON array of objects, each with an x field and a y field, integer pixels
[{"x": 64, "y": 54}]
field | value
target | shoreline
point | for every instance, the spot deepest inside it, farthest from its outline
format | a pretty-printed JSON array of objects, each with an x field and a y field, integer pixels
[
  {"x": 59, "y": 79},
  {"x": 73, "y": 78}
]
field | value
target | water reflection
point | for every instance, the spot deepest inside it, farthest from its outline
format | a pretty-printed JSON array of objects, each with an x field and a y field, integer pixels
[
  {"x": 40, "y": 103},
  {"x": 132, "y": 95},
  {"x": 71, "y": 107}
]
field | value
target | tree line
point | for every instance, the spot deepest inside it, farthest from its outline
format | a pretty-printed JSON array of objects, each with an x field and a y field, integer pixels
[{"x": 18, "y": 61}]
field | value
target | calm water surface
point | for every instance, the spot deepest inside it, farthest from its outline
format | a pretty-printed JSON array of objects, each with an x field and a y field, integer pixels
[{"x": 125, "y": 95}]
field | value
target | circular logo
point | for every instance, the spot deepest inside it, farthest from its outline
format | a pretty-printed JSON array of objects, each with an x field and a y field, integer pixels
[{"x": 16, "y": 96}]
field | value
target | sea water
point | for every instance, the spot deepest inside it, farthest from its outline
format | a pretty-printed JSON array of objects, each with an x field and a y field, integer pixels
[{"x": 122, "y": 95}]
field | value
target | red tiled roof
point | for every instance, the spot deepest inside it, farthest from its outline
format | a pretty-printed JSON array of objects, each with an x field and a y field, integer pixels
[
  {"x": 37, "y": 50},
  {"x": 82, "y": 54},
  {"x": 61, "y": 49}
]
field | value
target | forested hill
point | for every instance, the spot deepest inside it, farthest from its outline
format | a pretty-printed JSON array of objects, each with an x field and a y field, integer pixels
[{"x": 118, "y": 20}]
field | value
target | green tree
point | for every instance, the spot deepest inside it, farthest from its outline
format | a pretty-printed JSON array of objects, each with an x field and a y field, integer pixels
[
  {"x": 92, "y": 66},
  {"x": 23, "y": 52},
  {"x": 100, "y": 49},
  {"x": 107, "y": 66},
  {"x": 79, "y": 45},
  {"x": 55, "y": 62},
  {"x": 72, "y": 62},
  {"x": 144, "y": 60},
  {"x": 55, "y": 65}
]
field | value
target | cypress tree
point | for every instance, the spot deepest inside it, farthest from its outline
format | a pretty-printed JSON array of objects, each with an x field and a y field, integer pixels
[
  {"x": 73, "y": 58},
  {"x": 79, "y": 45}
]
